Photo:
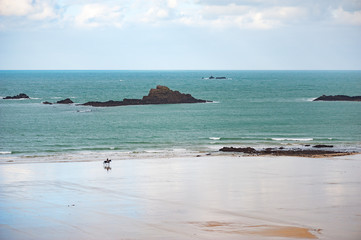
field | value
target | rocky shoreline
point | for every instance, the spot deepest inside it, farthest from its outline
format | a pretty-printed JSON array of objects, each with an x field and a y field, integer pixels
[
  {"x": 296, "y": 152},
  {"x": 339, "y": 98}
]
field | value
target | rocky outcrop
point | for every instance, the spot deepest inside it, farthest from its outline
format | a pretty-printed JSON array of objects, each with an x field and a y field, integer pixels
[
  {"x": 65, "y": 101},
  {"x": 159, "y": 95},
  {"x": 286, "y": 152},
  {"x": 338, "y": 98},
  {"x": 323, "y": 146},
  {"x": 20, "y": 96},
  {"x": 248, "y": 150}
]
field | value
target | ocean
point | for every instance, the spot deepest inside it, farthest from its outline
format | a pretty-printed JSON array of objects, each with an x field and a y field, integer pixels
[{"x": 250, "y": 108}]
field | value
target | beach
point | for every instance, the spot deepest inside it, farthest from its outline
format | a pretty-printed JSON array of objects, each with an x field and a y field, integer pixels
[{"x": 227, "y": 196}]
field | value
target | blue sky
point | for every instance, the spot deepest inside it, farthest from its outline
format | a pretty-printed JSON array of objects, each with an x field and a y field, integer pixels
[{"x": 176, "y": 34}]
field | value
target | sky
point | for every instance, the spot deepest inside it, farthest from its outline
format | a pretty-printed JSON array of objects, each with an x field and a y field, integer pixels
[{"x": 180, "y": 34}]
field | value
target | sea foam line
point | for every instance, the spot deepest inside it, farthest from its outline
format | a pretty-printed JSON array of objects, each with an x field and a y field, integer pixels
[
  {"x": 214, "y": 138},
  {"x": 5, "y": 152},
  {"x": 292, "y": 139}
]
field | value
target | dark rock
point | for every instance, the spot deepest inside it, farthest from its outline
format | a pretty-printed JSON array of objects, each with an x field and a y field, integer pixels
[
  {"x": 160, "y": 95},
  {"x": 338, "y": 98},
  {"x": 242, "y": 150},
  {"x": 163, "y": 95},
  {"x": 323, "y": 146},
  {"x": 287, "y": 152},
  {"x": 65, "y": 101},
  {"x": 48, "y": 103},
  {"x": 110, "y": 103},
  {"x": 20, "y": 96}
]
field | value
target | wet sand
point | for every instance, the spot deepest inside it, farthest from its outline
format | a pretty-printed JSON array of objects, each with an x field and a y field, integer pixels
[{"x": 208, "y": 197}]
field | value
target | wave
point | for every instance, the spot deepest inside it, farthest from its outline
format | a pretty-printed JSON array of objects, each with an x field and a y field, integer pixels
[
  {"x": 215, "y": 138},
  {"x": 6, "y": 152},
  {"x": 292, "y": 139}
]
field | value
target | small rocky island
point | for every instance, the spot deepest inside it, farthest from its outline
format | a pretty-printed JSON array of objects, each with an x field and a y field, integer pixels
[
  {"x": 338, "y": 98},
  {"x": 20, "y": 96},
  {"x": 159, "y": 95}
]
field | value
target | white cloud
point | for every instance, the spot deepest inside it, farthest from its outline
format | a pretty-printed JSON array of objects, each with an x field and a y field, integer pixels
[
  {"x": 347, "y": 17},
  {"x": 15, "y": 8},
  {"x": 221, "y": 16},
  {"x": 36, "y": 10},
  {"x": 96, "y": 15},
  {"x": 172, "y": 3},
  {"x": 255, "y": 14}
]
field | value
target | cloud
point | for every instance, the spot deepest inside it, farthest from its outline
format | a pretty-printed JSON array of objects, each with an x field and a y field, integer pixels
[
  {"x": 36, "y": 10},
  {"x": 347, "y": 17},
  {"x": 96, "y": 15},
  {"x": 213, "y": 14}
]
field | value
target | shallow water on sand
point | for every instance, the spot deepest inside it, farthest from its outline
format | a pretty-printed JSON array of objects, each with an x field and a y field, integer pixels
[{"x": 221, "y": 197}]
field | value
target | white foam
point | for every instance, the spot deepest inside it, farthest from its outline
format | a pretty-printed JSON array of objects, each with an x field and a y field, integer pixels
[
  {"x": 214, "y": 138},
  {"x": 5, "y": 152},
  {"x": 292, "y": 139}
]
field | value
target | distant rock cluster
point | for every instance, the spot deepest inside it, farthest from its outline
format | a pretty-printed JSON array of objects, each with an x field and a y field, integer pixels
[
  {"x": 281, "y": 151},
  {"x": 159, "y": 95}
]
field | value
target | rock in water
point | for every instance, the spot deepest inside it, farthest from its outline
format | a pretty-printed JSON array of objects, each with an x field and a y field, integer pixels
[
  {"x": 65, "y": 101},
  {"x": 338, "y": 98},
  {"x": 242, "y": 150},
  {"x": 163, "y": 95},
  {"x": 20, "y": 96},
  {"x": 159, "y": 95},
  {"x": 323, "y": 146}
]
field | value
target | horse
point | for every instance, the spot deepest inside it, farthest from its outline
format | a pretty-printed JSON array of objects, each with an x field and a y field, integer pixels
[{"x": 107, "y": 162}]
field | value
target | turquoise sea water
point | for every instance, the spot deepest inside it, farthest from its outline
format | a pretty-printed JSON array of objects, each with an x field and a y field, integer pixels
[{"x": 250, "y": 108}]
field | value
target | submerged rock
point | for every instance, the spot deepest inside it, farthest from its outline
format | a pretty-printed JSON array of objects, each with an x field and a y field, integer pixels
[
  {"x": 20, "y": 96},
  {"x": 338, "y": 98},
  {"x": 159, "y": 95}
]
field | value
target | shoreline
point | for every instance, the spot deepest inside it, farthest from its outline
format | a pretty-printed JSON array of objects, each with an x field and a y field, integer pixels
[
  {"x": 94, "y": 156},
  {"x": 210, "y": 197}
]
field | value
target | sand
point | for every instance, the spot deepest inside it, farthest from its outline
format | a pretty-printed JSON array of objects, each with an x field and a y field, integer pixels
[{"x": 208, "y": 197}]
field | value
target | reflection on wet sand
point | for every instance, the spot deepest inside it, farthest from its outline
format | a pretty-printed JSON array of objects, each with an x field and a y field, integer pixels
[
  {"x": 260, "y": 230},
  {"x": 220, "y": 197}
]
